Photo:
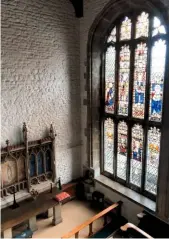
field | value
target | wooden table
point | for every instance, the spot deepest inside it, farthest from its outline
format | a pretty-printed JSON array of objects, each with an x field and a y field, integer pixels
[{"x": 27, "y": 210}]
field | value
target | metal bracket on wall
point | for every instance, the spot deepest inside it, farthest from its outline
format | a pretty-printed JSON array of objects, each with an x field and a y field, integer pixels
[{"x": 78, "y": 6}]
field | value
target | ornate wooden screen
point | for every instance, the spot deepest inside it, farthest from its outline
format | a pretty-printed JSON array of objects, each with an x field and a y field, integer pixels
[
  {"x": 132, "y": 101},
  {"x": 25, "y": 165}
]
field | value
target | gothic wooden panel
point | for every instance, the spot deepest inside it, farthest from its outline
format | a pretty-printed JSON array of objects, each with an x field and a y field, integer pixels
[{"x": 9, "y": 171}]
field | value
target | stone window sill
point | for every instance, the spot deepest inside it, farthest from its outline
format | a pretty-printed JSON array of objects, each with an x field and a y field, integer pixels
[{"x": 126, "y": 192}]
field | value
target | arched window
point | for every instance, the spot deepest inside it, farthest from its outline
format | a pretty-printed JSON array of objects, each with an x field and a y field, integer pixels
[{"x": 134, "y": 64}]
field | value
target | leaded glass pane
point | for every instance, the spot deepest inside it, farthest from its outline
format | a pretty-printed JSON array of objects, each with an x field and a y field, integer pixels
[
  {"x": 157, "y": 80},
  {"x": 142, "y": 25},
  {"x": 122, "y": 150},
  {"x": 112, "y": 36},
  {"x": 125, "y": 30},
  {"x": 124, "y": 72},
  {"x": 110, "y": 79},
  {"x": 152, "y": 162},
  {"x": 136, "y": 155},
  {"x": 157, "y": 27},
  {"x": 108, "y": 145},
  {"x": 139, "y": 81}
]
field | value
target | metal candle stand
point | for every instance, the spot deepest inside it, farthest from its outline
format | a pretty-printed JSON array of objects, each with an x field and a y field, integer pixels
[{"x": 15, "y": 204}]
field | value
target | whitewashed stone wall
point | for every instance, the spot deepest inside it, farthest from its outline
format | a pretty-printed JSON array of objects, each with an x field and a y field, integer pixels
[
  {"x": 40, "y": 77},
  {"x": 91, "y": 9}
]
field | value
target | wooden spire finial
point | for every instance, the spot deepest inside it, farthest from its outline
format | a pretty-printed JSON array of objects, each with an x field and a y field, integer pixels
[
  {"x": 51, "y": 132},
  {"x": 25, "y": 132},
  {"x": 7, "y": 145},
  {"x": 7, "y": 142}
]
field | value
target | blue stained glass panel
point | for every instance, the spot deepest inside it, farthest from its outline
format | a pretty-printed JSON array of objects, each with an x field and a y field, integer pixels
[
  {"x": 158, "y": 57},
  {"x": 32, "y": 163},
  {"x": 40, "y": 163},
  {"x": 110, "y": 80},
  {"x": 48, "y": 161},
  {"x": 139, "y": 81}
]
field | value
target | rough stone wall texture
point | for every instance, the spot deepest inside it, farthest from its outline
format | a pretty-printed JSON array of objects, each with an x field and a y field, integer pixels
[{"x": 40, "y": 77}]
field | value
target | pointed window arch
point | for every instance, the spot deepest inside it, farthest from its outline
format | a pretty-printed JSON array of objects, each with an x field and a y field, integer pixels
[{"x": 134, "y": 63}]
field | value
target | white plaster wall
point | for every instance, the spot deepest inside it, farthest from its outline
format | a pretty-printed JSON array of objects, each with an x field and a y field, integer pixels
[{"x": 41, "y": 78}]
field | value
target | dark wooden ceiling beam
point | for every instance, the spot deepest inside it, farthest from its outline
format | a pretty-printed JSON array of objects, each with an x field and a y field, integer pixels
[{"x": 78, "y": 6}]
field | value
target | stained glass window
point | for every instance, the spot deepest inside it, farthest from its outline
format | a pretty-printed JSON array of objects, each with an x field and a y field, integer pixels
[
  {"x": 142, "y": 25},
  {"x": 108, "y": 145},
  {"x": 136, "y": 155},
  {"x": 157, "y": 80},
  {"x": 110, "y": 79},
  {"x": 158, "y": 28},
  {"x": 152, "y": 162},
  {"x": 125, "y": 31},
  {"x": 122, "y": 150},
  {"x": 124, "y": 80},
  {"x": 135, "y": 59},
  {"x": 112, "y": 36},
  {"x": 139, "y": 80}
]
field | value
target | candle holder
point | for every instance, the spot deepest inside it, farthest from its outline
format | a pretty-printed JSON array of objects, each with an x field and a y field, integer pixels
[
  {"x": 15, "y": 204},
  {"x": 59, "y": 183},
  {"x": 51, "y": 188}
]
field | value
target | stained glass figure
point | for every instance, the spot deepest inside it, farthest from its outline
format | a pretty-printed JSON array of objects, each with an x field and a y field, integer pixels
[
  {"x": 108, "y": 145},
  {"x": 122, "y": 150},
  {"x": 142, "y": 25},
  {"x": 32, "y": 164},
  {"x": 136, "y": 155},
  {"x": 40, "y": 163},
  {"x": 158, "y": 28},
  {"x": 152, "y": 162},
  {"x": 139, "y": 81},
  {"x": 112, "y": 36},
  {"x": 124, "y": 72},
  {"x": 125, "y": 30},
  {"x": 110, "y": 79},
  {"x": 157, "y": 80}
]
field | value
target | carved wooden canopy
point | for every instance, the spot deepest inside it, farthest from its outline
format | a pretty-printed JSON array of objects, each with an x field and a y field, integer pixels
[{"x": 27, "y": 164}]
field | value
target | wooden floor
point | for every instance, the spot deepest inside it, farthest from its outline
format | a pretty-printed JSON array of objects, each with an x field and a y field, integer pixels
[{"x": 73, "y": 214}]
